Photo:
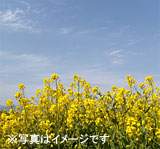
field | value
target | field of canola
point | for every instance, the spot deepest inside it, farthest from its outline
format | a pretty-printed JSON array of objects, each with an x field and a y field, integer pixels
[{"x": 83, "y": 117}]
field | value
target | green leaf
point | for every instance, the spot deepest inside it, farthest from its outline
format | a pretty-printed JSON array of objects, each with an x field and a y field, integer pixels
[{"x": 147, "y": 110}]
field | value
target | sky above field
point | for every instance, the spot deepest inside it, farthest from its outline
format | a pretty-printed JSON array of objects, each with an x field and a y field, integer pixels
[{"x": 101, "y": 40}]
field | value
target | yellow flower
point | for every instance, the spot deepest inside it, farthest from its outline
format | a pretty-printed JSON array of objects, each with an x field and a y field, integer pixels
[
  {"x": 18, "y": 95},
  {"x": 9, "y": 103},
  {"x": 127, "y": 146},
  {"x": 54, "y": 77},
  {"x": 21, "y": 86},
  {"x": 51, "y": 145},
  {"x": 141, "y": 85},
  {"x": 95, "y": 90},
  {"x": 46, "y": 81},
  {"x": 114, "y": 88},
  {"x": 130, "y": 80},
  {"x": 82, "y": 82},
  {"x": 128, "y": 76},
  {"x": 77, "y": 78},
  {"x": 76, "y": 146},
  {"x": 149, "y": 80},
  {"x": 38, "y": 92}
]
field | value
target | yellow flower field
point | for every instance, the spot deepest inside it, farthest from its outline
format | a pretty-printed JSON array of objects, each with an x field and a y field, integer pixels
[{"x": 83, "y": 117}]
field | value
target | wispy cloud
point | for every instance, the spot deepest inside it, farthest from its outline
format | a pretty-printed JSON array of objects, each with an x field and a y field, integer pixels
[
  {"x": 121, "y": 31},
  {"x": 97, "y": 76},
  {"x": 2, "y": 53},
  {"x": 65, "y": 31},
  {"x": 19, "y": 17},
  {"x": 116, "y": 52},
  {"x": 29, "y": 69},
  {"x": 11, "y": 16},
  {"x": 77, "y": 31},
  {"x": 14, "y": 63},
  {"x": 117, "y": 56},
  {"x": 16, "y": 19},
  {"x": 118, "y": 61},
  {"x": 28, "y": 5},
  {"x": 133, "y": 41}
]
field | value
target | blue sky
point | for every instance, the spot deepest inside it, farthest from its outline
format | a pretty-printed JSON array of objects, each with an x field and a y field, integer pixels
[{"x": 101, "y": 40}]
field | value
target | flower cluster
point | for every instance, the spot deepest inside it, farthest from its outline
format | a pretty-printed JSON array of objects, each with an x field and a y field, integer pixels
[{"x": 130, "y": 117}]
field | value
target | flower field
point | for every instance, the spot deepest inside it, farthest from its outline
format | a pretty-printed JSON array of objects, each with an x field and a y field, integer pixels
[{"x": 83, "y": 117}]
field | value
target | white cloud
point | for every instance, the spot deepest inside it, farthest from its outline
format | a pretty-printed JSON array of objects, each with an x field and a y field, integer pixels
[
  {"x": 28, "y": 5},
  {"x": 16, "y": 19},
  {"x": 97, "y": 76},
  {"x": 117, "y": 56},
  {"x": 29, "y": 69},
  {"x": 14, "y": 63},
  {"x": 29, "y": 57},
  {"x": 118, "y": 61},
  {"x": 120, "y": 32},
  {"x": 115, "y": 52},
  {"x": 65, "y": 30},
  {"x": 83, "y": 32},
  {"x": 2, "y": 53},
  {"x": 132, "y": 42},
  {"x": 11, "y": 16}
]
